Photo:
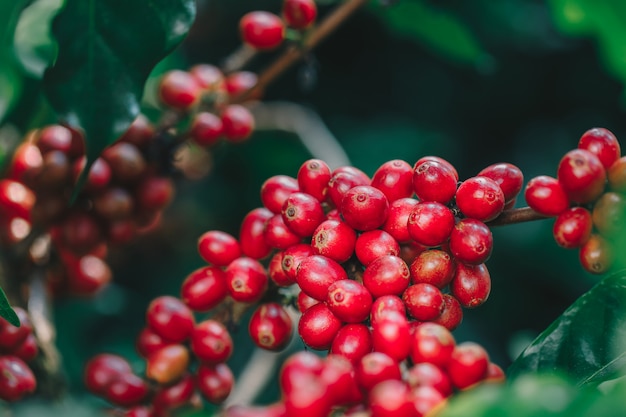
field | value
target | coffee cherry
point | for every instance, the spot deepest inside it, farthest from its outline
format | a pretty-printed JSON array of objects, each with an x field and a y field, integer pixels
[
  {"x": 349, "y": 300},
  {"x": 373, "y": 244},
  {"x": 316, "y": 273},
  {"x": 276, "y": 272},
  {"x": 102, "y": 370},
  {"x": 170, "y": 318},
  {"x": 179, "y": 89},
  {"x": 204, "y": 288},
  {"x": 440, "y": 160},
  {"x": 608, "y": 214},
  {"x": 424, "y": 302},
  {"x": 11, "y": 336},
  {"x": 28, "y": 349},
  {"x": 546, "y": 196},
  {"x": 167, "y": 364},
  {"x": 468, "y": 365},
  {"x": 209, "y": 77},
  {"x": 292, "y": 257},
  {"x": 237, "y": 123},
  {"x": 17, "y": 379},
  {"x": 115, "y": 203},
  {"x": 429, "y": 375},
  {"x": 302, "y": 362},
  {"x": 471, "y": 241},
  {"x": 480, "y": 198},
  {"x": 170, "y": 397},
  {"x": 304, "y": 302},
  {"x": 206, "y": 129},
  {"x": 363, "y": 179},
  {"x": 391, "y": 398},
  {"x": 139, "y": 411},
  {"x": 308, "y": 397},
  {"x": 434, "y": 181},
  {"x": 334, "y": 239},
  {"x": 262, "y": 30},
  {"x": 391, "y": 335},
  {"x": 215, "y": 382},
  {"x": 582, "y": 176},
  {"x": 434, "y": 267},
  {"x": 16, "y": 200},
  {"x": 452, "y": 314},
  {"x": 364, "y": 208},
  {"x": 251, "y": 237},
  {"x": 572, "y": 228},
  {"x": 471, "y": 284},
  {"x": 602, "y": 143},
  {"x": 211, "y": 342},
  {"x": 425, "y": 400},
  {"x": 87, "y": 275},
  {"x": 299, "y": 14},
  {"x": 507, "y": 176},
  {"x": 596, "y": 255},
  {"x": 270, "y": 327},
  {"x": 140, "y": 132},
  {"x": 126, "y": 390},
  {"x": 353, "y": 341},
  {"x": 218, "y": 248},
  {"x": 617, "y": 175},
  {"x": 313, "y": 177},
  {"x": 302, "y": 213},
  {"x": 395, "y": 179},
  {"x": 99, "y": 176},
  {"x": 396, "y": 223},
  {"x": 432, "y": 343},
  {"x": 340, "y": 183},
  {"x": 239, "y": 82},
  {"x": 278, "y": 235},
  {"x": 25, "y": 165},
  {"x": 375, "y": 368},
  {"x": 430, "y": 223},
  {"x": 154, "y": 193},
  {"x": 387, "y": 275},
  {"x": 246, "y": 279},
  {"x": 272, "y": 410},
  {"x": 126, "y": 162},
  {"x": 318, "y": 327},
  {"x": 148, "y": 342},
  {"x": 275, "y": 191},
  {"x": 338, "y": 376},
  {"x": 386, "y": 303}
]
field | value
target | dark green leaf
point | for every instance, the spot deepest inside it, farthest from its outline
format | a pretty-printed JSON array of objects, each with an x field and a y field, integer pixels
[
  {"x": 6, "y": 312},
  {"x": 106, "y": 52},
  {"x": 588, "y": 341}
]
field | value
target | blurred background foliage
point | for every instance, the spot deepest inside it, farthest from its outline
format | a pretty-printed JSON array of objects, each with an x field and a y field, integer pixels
[{"x": 474, "y": 82}]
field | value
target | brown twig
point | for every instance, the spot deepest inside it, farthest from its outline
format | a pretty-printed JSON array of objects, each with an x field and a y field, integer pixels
[{"x": 519, "y": 215}]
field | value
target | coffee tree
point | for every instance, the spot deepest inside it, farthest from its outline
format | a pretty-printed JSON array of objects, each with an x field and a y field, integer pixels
[{"x": 343, "y": 288}]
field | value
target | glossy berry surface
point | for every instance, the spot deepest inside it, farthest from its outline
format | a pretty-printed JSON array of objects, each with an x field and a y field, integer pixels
[
  {"x": 572, "y": 228},
  {"x": 480, "y": 198},
  {"x": 582, "y": 176},
  {"x": 211, "y": 342},
  {"x": 364, "y": 208},
  {"x": 170, "y": 318},
  {"x": 471, "y": 241},
  {"x": 204, "y": 288},
  {"x": 546, "y": 196},
  {"x": 318, "y": 327},
  {"x": 602, "y": 143},
  {"x": 349, "y": 300},
  {"x": 218, "y": 248},
  {"x": 434, "y": 181},
  {"x": 237, "y": 123},
  {"x": 179, "y": 89},
  {"x": 261, "y": 30},
  {"x": 270, "y": 326},
  {"x": 430, "y": 223},
  {"x": 299, "y": 14}
]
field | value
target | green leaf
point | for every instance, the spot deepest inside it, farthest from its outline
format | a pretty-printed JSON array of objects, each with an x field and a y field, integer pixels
[
  {"x": 443, "y": 32},
  {"x": 107, "y": 49},
  {"x": 588, "y": 341},
  {"x": 6, "y": 312}
]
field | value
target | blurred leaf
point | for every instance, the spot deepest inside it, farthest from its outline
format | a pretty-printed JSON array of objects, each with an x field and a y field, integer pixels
[
  {"x": 106, "y": 52},
  {"x": 588, "y": 341},
  {"x": 6, "y": 312},
  {"x": 437, "y": 29},
  {"x": 604, "y": 20},
  {"x": 34, "y": 47}
]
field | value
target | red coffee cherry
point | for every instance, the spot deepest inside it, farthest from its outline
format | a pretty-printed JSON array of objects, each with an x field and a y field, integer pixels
[
  {"x": 276, "y": 272},
  {"x": 302, "y": 362},
  {"x": 149, "y": 342},
  {"x": 275, "y": 191},
  {"x": 139, "y": 411},
  {"x": 237, "y": 123},
  {"x": 426, "y": 399},
  {"x": 546, "y": 196},
  {"x": 292, "y": 257},
  {"x": 27, "y": 350},
  {"x": 353, "y": 341},
  {"x": 471, "y": 284},
  {"x": 54, "y": 138},
  {"x": 391, "y": 334},
  {"x": 602, "y": 143},
  {"x": 349, "y": 300},
  {"x": 208, "y": 76},
  {"x": 595, "y": 255},
  {"x": 154, "y": 193},
  {"x": 17, "y": 379},
  {"x": 246, "y": 279},
  {"x": 495, "y": 373},
  {"x": 102, "y": 370},
  {"x": 313, "y": 177},
  {"x": 126, "y": 161},
  {"x": 211, "y": 342},
  {"x": 426, "y": 374},
  {"x": 396, "y": 223},
  {"x": 340, "y": 182},
  {"x": 572, "y": 228},
  {"x": 318, "y": 327},
  {"x": 471, "y": 241},
  {"x": 439, "y": 160},
  {"x": 395, "y": 179},
  {"x": 304, "y": 302},
  {"x": 391, "y": 398},
  {"x": 272, "y": 410},
  {"x": 299, "y": 14},
  {"x": 347, "y": 169},
  {"x": 218, "y": 248},
  {"x": 434, "y": 267},
  {"x": 170, "y": 397},
  {"x": 16, "y": 200},
  {"x": 468, "y": 365},
  {"x": 270, "y": 327},
  {"x": 507, "y": 176},
  {"x": 387, "y": 275},
  {"x": 452, "y": 314},
  {"x": 251, "y": 237},
  {"x": 215, "y": 382},
  {"x": 338, "y": 376},
  {"x": 140, "y": 133},
  {"x": 167, "y": 364},
  {"x": 334, "y": 239},
  {"x": 126, "y": 390},
  {"x": 239, "y": 82},
  {"x": 373, "y": 244},
  {"x": 87, "y": 275},
  {"x": 434, "y": 181},
  {"x": 582, "y": 176},
  {"x": 302, "y": 213},
  {"x": 278, "y": 235},
  {"x": 204, "y": 288},
  {"x": 424, "y": 302},
  {"x": 364, "y": 208},
  {"x": 480, "y": 198},
  {"x": 316, "y": 273},
  {"x": 206, "y": 129},
  {"x": 375, "y": 368},
  {"x": 432, "y": 343},
  {"x": 99, "y": 176},
  {"x": 25, "y": 165},
  {"x": 11, "y": 336},
  {"x": 385, "y": 304},
  {"x": 308, "y": 397},
  {"x": 262, "y": 30},
  {"x": 179, "y": 89},
  {"x": 170, "y": 318},
  {"x": 430, "y": 223}
]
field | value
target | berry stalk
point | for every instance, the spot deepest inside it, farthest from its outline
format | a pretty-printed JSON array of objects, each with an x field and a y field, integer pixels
[{"x": 518, "y": 215}]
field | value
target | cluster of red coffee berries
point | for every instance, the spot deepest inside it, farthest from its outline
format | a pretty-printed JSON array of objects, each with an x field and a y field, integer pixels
[
  {"x": 206, "y": 92},
  {"x": 586, "y": 197},
  {"x": 265, "y": 31},
  {"x": 122, "y": 196},
  {"x": 17, "y": 347}
]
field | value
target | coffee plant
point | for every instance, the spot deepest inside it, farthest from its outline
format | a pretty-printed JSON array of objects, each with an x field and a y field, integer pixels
[{"x": 309, "y": 285}]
